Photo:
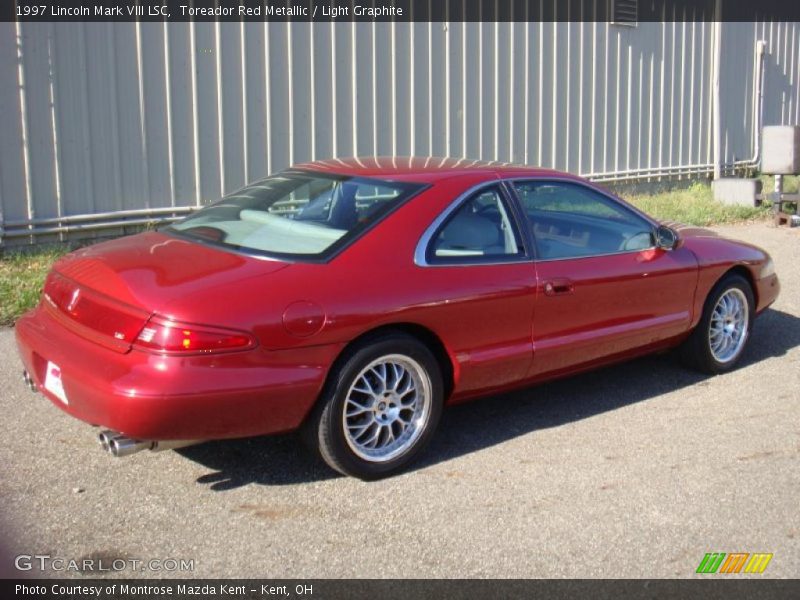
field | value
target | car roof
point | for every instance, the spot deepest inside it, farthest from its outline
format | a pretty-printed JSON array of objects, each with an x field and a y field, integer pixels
[{"x": 424, "y": 169}]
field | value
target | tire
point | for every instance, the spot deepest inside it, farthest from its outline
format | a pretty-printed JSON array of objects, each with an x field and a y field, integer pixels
[
  {"x": 391, "y": 387},
  {"x": 718, "y": 341}
]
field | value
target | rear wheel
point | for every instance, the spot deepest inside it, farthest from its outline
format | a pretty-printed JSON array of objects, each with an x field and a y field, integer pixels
[
  {"x": 719, "y": 339},
  {"x": 380, "y": 407}
]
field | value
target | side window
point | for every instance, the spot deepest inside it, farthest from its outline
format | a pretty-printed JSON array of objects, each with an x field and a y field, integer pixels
[
  {"x": 480, "y": 230},
  {"x": 569, "y": 221}
]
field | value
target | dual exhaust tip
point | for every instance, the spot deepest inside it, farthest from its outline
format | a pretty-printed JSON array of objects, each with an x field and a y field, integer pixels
[
  {"x": 29, "y": 382},
  {"x": 119, "y": 445}
]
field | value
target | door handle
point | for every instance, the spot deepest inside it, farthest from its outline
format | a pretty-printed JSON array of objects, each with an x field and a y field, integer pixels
[{"x": 558, "y": 287}]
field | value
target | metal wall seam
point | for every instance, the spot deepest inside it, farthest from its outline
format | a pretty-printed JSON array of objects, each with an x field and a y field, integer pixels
[
  {"x": 796, "y": 59},
  {"x": 710, "y": 97},
  {"x": 447, "y": 131},
  {"x": 393, "y": 63},
  {"x": 220, "y": 113},
  {"x": 480, "y": 85},
  {"x": 511, "y": 88},
  {"x": 412, "y": 105},
  {"x": 606, "y": 38},
  {"x": 580, "y": 95},
  {"x": 54, "y": 124},
  {"x": 639, "y": 114},
  {"x": 353, "y": 87},
  {"x": 699, "y": 155},
  {"x": 290, "y": 89},
  {"x": 567, "y": 97},
  {"x": 496, "y": 88},
  {"x": 245, "y": 128},
  {"x": 167, "y": 90},
  {"x": 617, "y": 86},
  {"x": 195, "y": 126},
  {"x": 671, "y": 161},
  {"x": 21, "y": 82},
  {"x": 464, "y": 145},
  {"x": 594, "y": 96},
  {"x": 142, "y": 111},
  {"x": 629, "y": 108},
  {"x": 651, "y": 112},
  {"x": 430, "y": 88},
  {"x": 526, "y": 86},
  {"x": 792, "y": 75},
  {"x": 690, "y": 127},
  {"x": 554, "y": 100},
  {"x": 682, "y": 94}
]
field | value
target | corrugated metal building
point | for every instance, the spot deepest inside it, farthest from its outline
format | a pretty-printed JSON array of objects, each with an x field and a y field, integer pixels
[{"x": 145, "y": 117}]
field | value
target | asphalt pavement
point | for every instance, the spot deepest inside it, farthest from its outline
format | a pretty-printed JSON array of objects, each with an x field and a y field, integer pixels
[{"x": 635, "y": 470}]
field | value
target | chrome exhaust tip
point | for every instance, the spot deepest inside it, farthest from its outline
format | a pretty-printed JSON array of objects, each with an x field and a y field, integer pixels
[
  {"x": 119, "y": 445},
  {"x": 29, "y": 382},
  {"x": 105, "y": 437},
  {"x": 123, "y": 446}
]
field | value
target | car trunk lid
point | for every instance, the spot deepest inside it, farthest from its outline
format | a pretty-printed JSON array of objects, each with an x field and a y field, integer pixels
[
  {"x": 107, "y": 292},
  {"x": 93, "y": 315}
]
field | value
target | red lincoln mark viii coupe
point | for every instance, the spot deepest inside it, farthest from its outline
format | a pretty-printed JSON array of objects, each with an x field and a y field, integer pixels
[{"x": 354, "y": 298}]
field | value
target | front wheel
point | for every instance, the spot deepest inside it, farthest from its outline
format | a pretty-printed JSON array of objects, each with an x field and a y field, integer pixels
[
  {"x": 380, "y": 407},
  {"x": 719, "y": 339}
]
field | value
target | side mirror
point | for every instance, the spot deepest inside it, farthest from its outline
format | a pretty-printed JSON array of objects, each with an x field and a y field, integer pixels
[{"x": 666, "y": 238}]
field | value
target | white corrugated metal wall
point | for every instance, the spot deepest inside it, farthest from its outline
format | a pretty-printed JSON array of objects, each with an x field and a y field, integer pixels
[{"x": 103, "y": 117}]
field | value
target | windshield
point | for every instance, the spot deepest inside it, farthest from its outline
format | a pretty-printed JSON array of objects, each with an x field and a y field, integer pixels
[{"x": 296, "y": 214}]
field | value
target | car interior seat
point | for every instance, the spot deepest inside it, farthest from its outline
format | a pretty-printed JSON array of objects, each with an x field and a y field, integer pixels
[
  {"x": 343, "y": 212},
  {"x": 472, "y": 233}
]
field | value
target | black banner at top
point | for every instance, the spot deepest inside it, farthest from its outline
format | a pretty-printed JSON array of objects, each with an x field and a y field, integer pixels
[{"x": 618, "y": 11}]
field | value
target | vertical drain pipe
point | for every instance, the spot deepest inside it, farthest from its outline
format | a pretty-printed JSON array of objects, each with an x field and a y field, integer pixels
[
  {"x": 717, "y": 121},
  {"x": 758, "y": 105}
]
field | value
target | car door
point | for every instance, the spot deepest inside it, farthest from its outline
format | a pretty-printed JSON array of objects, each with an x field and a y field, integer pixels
[
  {"x": 475, "y": 265},
  {"x": 603, "y": 288}
]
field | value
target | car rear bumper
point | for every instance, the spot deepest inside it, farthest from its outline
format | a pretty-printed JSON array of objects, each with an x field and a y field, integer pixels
[{"x": 154, "y": 397}]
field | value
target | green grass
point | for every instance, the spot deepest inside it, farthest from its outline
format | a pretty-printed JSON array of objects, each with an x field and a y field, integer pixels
[
  {"x": 21, "y": 277},
  {"x": 695, "y": 205}
]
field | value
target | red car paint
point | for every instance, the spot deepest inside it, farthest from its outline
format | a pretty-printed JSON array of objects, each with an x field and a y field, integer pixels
[{"x": 500, "y": 326}]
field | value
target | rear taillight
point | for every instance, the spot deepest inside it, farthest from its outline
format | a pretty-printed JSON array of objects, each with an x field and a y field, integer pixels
[{"x": 161, "y": 335}]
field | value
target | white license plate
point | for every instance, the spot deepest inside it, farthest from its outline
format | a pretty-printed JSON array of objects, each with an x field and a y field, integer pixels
[{"x": 52, "y": 382}]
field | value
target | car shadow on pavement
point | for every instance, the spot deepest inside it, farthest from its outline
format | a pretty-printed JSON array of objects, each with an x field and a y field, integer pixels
[
  {"x": 474, "y": 426},
  {"x": 267, "y": 460}
]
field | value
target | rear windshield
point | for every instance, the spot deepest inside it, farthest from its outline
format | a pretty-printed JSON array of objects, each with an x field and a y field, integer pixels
[{"x": 296, "y": 214}]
